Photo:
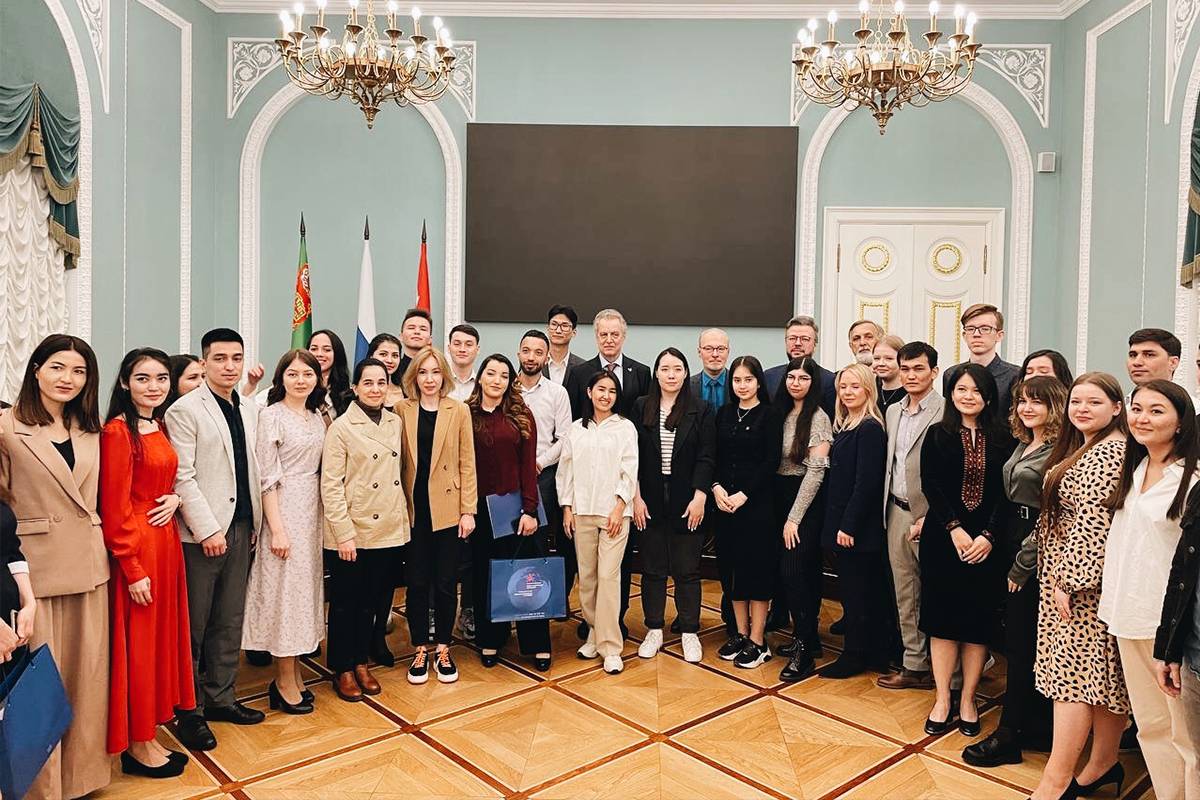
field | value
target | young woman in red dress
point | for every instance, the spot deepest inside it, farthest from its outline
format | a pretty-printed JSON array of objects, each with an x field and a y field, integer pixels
[{"x": 151, "y": 645}]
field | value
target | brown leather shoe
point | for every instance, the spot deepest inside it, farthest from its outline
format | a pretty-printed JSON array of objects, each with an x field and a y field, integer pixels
[
  {"x": 347, "y": 687},
  {"x": 366, "y": 680},
  {"x": 906, "y": 679}
]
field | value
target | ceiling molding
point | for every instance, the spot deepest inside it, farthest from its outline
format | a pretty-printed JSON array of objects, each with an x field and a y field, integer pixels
[{"x": 1046, "y": 9}]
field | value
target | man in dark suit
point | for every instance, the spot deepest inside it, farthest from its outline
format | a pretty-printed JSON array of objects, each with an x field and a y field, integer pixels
[
  {"x": 632, "y": 376},
  {"x": 711, "y": 382},
  {"x": 634, "y": 379},
  {"x": 561, "y": 322},
  {"x": 800, "y": 337}
]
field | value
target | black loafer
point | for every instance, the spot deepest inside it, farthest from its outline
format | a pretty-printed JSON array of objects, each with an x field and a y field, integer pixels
[
  {"x": 171, "y": 769},
  {"x": 993, "y": 751},
  {"x": 194, "y": 733},
  {"x": 934, "y": 728},
  {"x": 542, "y": 664},
  {"x": 237, "y": 713},
  {"x": 969, "y": 729},
  {"x": 489, "y": 661}
]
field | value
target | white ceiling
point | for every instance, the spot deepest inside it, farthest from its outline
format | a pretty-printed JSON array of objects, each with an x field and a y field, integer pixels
[{"x": 669, "y": 9}]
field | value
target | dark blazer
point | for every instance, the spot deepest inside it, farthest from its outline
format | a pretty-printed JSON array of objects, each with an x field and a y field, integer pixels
[
  {"x": 854, "y": 486},
  {"x": 1180, "y": 601},
  {"x": 635, "y": 383},
  {"x": 1006, "y": 375},
  {"x": 774, "y": 377},
  {"x": 693, "y": 459},
  {"x": 10, "y": 551},
  {"x": 572, "y": 362}
]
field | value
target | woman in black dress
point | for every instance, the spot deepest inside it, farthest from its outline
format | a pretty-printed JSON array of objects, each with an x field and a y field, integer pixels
[
  {"x": 749, "y": 446},
  {"x": 962, "y": 585}
]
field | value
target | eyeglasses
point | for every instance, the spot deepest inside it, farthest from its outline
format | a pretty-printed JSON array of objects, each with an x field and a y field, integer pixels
[
  {"x": 710, "y": 349},
  {"x": 799, "y": 339},
  {"x": 560, "y": 326},
  {"x": 982, "y": 330},
  {"x": 803, "y": 378}
]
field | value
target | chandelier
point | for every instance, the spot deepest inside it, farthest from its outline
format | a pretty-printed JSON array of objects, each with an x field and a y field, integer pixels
[
  {"x": 368, "y": 68},
  {"x": 882, "y": 69}
]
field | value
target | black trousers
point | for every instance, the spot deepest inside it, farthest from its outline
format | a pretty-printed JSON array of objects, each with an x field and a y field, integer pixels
[
  {"x": 1027, "y": 712},
  {"x": 724, "y": 547},
  {"x": 634, "y": 543},
  {"x": 357, "y": 590},
  {"x": 533, "y": 636},
  {"x": 432, "y": 563},
  {"x": 800, "y": 567},
  {"x": 863, "y": 584},
  {"x": 669, "y": 548},
  {"x": 554, "y": 530}
]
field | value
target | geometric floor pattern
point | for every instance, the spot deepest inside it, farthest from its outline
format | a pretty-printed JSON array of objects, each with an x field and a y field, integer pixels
[{"x": 661, "y": 729}]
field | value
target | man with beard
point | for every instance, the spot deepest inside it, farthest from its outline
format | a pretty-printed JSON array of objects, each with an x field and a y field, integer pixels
[{"x": 800, "y": 337}]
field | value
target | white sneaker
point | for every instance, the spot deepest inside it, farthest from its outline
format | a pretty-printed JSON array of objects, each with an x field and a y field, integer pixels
[
  {"x": 587, "y": 650},
  {"x": 693, "y": 653},
  {"x": 651, "y": 644},
  {"x": 613, "y": 664}
]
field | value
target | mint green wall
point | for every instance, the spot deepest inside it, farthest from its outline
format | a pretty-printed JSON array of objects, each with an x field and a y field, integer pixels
[
  {"x": 605, "y": 71},
  {"x": 20, "y": 63}
]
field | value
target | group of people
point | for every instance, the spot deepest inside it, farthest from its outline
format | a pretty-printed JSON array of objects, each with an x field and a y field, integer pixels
[{"x": 1020, "y": 505}]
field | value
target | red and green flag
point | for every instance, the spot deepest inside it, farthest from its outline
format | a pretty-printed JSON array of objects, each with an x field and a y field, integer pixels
[{"x": 302, "y": 304}]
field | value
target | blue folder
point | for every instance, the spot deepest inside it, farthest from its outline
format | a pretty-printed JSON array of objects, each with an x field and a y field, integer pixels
[
  {"x": 505, "y": 510},
  {"x": 34, "y": 715}
]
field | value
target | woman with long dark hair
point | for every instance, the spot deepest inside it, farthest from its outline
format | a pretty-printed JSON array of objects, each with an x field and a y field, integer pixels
[
  {"x": 962, "y": 581},
  {"x": 186, "y": 374},
  {"x": 596, "y": 482},
  {"x": 1078, "y": 665},
  {"x": 1038, "y": 410},
  {"x": 387, "y": 350},
  {"x": 284, "y": 599},
  {"x": 800, "y": 508},
  {"x": 50, "y": 466},
  {"x": 366, "y": 525},
  {"x": 1161, "y": 455},
  {"x": 1047, "y": 363},
  {"x": 505, "y": 462},
  {"x": 327, "y": 348},
  {"x": 749, "y": 446},
  {"x": 676, "y": 451},
  {"x": 151, "y": 672}
]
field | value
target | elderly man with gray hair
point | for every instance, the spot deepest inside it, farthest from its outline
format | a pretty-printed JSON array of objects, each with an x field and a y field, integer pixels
[{"x": 712, "y": 380}]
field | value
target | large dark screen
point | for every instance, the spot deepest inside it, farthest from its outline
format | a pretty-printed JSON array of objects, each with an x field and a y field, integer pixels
[{"x": 671, "y": 225}]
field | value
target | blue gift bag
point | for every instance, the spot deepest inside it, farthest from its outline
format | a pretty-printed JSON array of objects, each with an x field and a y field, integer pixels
[
  {"x": 504, "y": 510},
  {"x": 527, "y": 589},
  {"x": 34, "y": 715}
]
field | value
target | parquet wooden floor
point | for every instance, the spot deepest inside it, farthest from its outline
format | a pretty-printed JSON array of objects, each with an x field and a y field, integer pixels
[{"x": 662, "y": 729}]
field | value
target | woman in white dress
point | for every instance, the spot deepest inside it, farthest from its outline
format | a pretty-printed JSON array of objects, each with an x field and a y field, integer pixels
[{"x": 284, "y": 599}]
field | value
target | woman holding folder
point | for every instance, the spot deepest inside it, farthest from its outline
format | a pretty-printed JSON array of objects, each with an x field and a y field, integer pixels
[
  {"x": 505, "y": 462},
  {"x": 439, "y": 483}
]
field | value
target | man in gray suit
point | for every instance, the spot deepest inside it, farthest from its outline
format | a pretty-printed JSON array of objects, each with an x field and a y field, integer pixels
[
  {"x": 561, "y": 325},
  {"x": 712, "y": 381},
  {"x": 905, "y": 506},
  {"x": 213, "y": 433}
]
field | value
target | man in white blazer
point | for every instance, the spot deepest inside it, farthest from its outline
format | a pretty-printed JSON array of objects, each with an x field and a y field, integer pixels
[
  {"x": 220, "y": 513},
  {"x": 905, "y": 506}
]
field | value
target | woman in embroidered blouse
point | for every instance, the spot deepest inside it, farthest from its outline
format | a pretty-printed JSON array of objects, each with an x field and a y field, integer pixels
[
  {"x": 1159, "y": 470},
  {"x": 799, "y": 510},
  {"x": 1039, "y": 404},
  {"x": 596, "y": 481},
  {"x": 962, "y": 581},
  {"x": 284, "y": 600},
  {"x": 1078, "y": 666}
]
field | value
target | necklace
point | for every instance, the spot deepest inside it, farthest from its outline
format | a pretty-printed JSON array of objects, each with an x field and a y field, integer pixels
[
  {"x": 146, "y": 419},
  {"x": 890, "y": 395},
  {"x": 743, "y": 413}
]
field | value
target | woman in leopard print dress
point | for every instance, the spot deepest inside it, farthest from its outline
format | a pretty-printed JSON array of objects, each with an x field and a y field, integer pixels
[{"x": 1077, "y": 665}]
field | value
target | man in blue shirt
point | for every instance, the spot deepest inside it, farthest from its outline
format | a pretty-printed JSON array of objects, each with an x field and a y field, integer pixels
[{"x": 711, "y": 382}]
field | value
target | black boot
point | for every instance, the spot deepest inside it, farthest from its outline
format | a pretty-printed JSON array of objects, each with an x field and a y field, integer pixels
[{"x": 800, "y": 664}]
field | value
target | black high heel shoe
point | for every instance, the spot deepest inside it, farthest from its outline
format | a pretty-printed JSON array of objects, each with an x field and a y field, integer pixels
[
  {"x": 1114, "y": 774},
  {"x": 276, "y": 701},
  {"x": 1070, "y": 793},
  {"x": 935, "y": 728},
  {"x": 172, "y": 769}
]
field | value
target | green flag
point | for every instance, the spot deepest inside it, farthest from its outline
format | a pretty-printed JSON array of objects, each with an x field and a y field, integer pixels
[{"x": 302, "y": 304}]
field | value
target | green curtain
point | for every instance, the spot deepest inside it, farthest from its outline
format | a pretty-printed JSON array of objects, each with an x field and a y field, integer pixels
[{"x": 31, "y": 125}]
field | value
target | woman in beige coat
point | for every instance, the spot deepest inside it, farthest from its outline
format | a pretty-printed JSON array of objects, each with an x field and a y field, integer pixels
[
  {"x": 439, "y": 483},
  {"x": 367, "y": 517},
  {"x": 50, "y": 465}
]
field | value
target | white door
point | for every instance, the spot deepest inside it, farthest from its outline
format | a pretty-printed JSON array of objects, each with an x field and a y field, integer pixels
[{"x": 914, "y": 271}]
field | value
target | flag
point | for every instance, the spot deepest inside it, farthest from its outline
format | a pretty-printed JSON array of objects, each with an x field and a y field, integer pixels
[
  {"x": 366, "y": 299},
  {"x": 423, "y": 275},
  {"x": 302, "y": 303}
]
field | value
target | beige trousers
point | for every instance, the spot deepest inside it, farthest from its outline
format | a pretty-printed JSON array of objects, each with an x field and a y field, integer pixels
[
  {"x": 1162, "y": 725},
  {"x": 76, "y": 628},
  {"x": 906, "y": 576},
  {"x": 599, "y": 556}
]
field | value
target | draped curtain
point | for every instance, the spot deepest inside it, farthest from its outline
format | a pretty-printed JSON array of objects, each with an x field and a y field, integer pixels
[{"x": 39, "y": 235}]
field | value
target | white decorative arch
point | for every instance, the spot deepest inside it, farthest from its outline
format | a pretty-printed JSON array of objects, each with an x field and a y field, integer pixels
[
  {"x": 79, "y": 280},
  {"x": 1020, "y": 244},
  {"x": 250, "y": 199},
  {"x": 1187, "y": 301}
]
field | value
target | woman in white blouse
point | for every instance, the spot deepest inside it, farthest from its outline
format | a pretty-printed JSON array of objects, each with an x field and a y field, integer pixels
[
  {"x": 1159, "y": 470},
  {"x": 597, "y": 476}
]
